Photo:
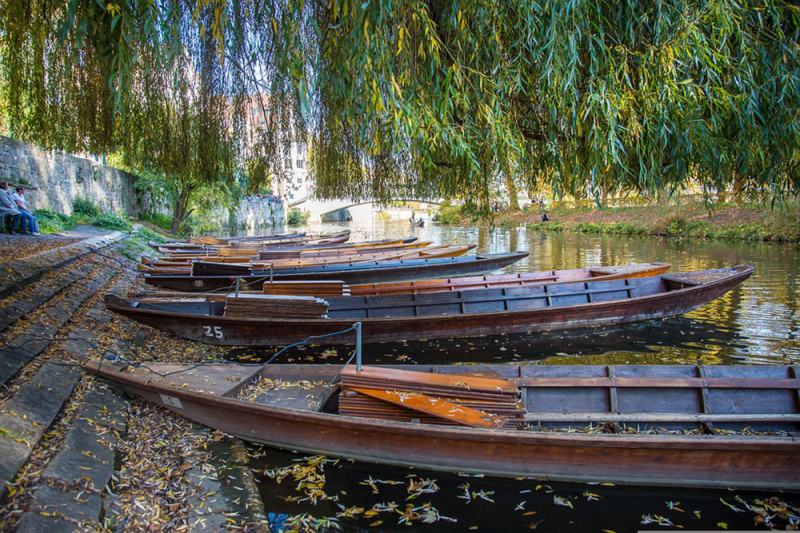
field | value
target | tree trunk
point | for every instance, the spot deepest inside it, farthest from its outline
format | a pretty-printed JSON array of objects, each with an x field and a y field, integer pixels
[
  {"x": 513, "y": 197},
  {"x": 578, "y": 195},
  {"x": 738, "y": 189},
  {"x": 181, "y": 209}
]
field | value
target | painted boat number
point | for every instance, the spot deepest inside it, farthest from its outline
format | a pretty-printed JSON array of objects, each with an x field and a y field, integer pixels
[
  {"x": 213, "y": 331},
  {"x": 171, "y": 401}
]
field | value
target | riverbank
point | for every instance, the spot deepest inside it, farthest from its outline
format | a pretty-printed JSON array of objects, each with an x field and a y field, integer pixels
[
  {"x": 752, "y": 222},
  {"x": 78, "y": 455}
]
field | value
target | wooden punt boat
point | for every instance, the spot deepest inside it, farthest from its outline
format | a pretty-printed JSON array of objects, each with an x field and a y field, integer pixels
[
  {"x": 266, "y": 251},
  {"x": 254, "y": 238},
  {"x": 671, "y": 425},
  {"x": 210, "y": 243},
  {"x": 202, "y": 241},
  {"x": 362, "y": 272},
  {"x": 249, "y": 267},
  {"x": 288, "y": 253},
  {"x": 336, "y": 238},
  {"x": 401, "y": 317},
  {"x": 328, "y": 288}
]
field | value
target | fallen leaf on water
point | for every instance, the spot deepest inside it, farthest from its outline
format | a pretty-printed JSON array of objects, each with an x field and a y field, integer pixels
[{"x": 561, "y": 501}]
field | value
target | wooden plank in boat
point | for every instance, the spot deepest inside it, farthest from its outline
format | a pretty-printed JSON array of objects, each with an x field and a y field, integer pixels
[
  {"x": 219, "y": 380},
  {"x": 306, "y": 399},
  {"x": 436, "y": 407},
  {"x": 269, "y": 305},
  {"x": 466, "y": 383}
]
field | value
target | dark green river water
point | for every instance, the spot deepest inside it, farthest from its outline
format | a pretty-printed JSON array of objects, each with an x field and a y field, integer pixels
[{"x": 757, "y": 324}]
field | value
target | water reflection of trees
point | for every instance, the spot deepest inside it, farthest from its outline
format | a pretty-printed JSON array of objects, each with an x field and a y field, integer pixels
[{"x": 764, "y": 310}]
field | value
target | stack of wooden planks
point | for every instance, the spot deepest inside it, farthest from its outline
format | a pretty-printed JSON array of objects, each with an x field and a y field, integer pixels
[
  {"x": 406, "y": 395},
  {"x": 274, "y": 306},
  {"x": 323, "y": 289}
]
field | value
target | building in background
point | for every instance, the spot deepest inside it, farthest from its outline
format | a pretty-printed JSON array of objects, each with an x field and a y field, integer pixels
[{"x": 291, "y": 182}]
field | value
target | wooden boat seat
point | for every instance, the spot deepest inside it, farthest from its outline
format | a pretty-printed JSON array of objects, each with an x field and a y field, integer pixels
[{"x": 676, "y": 283}]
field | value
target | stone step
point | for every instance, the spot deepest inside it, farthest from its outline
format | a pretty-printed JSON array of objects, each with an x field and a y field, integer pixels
[
  {"x": 19, "y": 273},
  {"x": 35, "y": 338},
  {"x": 72, "y": 493},
  {"x": 73, "y": 481},
  {"x": 23, "y": 302},
  {"x": 28, "y": 414}
]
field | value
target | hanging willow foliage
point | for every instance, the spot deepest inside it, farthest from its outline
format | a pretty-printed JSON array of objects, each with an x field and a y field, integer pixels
[{"x": 420, "y": 98}]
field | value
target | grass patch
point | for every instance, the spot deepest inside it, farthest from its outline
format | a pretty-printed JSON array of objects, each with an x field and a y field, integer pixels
[
  {"x": 50, "y": 222},
  {"x": 159, "y": 219}
]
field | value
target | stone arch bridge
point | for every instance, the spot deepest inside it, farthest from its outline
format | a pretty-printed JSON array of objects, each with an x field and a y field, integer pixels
[{"x": 336, "y": 209}]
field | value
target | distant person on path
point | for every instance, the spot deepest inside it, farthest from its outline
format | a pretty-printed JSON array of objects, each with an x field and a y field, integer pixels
[
  {"x": 19, "y": 199},
  {"x": 8, "y": 206}
]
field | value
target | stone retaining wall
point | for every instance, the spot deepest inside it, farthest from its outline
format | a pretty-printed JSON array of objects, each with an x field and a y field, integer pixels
[
  {"x": 252, "y": 214},
  {"x": 59, "y": 178}
]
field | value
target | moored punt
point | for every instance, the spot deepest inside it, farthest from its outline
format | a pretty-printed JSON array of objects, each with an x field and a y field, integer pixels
[
  {"x": 250, "y": 267},
  {"x": 255, "y": 238},
  {"x": 266, "y": 251},
  {"x": 287, "y": 253},
  {"x": 365, "y": 271},
  {"x": 336, "y": 238},
  {"x": 214, "y": 243},
  {"x": 696, "y": 426},
  {"x": 437, "y": 315}
]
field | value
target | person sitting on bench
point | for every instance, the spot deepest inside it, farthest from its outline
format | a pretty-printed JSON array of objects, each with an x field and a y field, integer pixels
[
  {"x": 19, "y": 199},
  {"x": 9, "y": 207}
]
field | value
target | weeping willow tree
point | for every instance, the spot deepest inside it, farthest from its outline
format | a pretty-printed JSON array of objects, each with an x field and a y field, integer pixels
[
  {"x": 161, "y": 85},
  {"x": 420, "y": 98}
]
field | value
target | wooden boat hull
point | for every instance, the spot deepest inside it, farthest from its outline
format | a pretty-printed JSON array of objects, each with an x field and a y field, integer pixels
[
  {"x": 764, "y": 462},
  {"x": 199, "y": 325},
  {"x": 362, "y": 273}
]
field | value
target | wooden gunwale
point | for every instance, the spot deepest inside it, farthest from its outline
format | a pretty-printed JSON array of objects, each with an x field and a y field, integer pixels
[{"x": 642, "y": 459}]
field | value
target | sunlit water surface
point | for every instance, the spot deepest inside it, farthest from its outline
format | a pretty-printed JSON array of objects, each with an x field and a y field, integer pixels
[{"x": 756, "y": 323}]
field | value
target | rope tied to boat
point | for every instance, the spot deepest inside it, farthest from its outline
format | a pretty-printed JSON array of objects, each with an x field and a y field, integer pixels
[{"x": 111, "y": 356}]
